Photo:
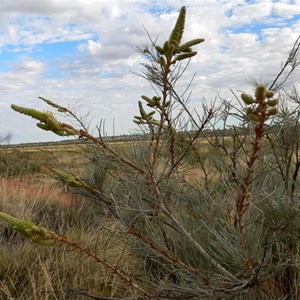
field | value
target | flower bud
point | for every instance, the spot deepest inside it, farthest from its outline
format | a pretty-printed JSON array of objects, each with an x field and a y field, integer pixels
[
  {"x": 186, "y": 55},
  {"x": 247, "y": 99},
  {"x": 269, "y": 94},
  {"x": 167, "y": 104},
  {"x": 142, "y": 111},
  {"x": 162, "y": 61},
  {"x": 146, "y": 98},
  {"x": 273, "y": 102},
  {"x": 249, "y": 111},
  {"x": 171, "y": 49},
  {"x": 186, "y": 50},
  {"x": 160, "y": 50},
  {"x": 272, "y": 111},
  {"x": 260, "y": 92},
  {"x": 253, "y": 117},
  {"x": 166, "y": 46}
]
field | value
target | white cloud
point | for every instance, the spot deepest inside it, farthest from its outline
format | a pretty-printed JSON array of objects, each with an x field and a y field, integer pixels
[
  {"x": 29, "y": 67},
  {"x": 286, "y": 9},
  {"x": 98, "y": 76},
  {"x": 24, "y": 75},
  {"x": 92, "y": 47},
  {"x": 247, "y": 13}
]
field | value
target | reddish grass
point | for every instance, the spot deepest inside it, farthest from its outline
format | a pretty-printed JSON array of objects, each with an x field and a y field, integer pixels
[{"x": 32, "y": 188}]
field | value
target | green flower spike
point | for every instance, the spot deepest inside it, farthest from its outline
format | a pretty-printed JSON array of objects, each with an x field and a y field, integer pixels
[
  {"x": 35, "y": 114},
  {"x": 177, "y": 32},
  {"x": 187, "y": 46},
  {"x": 39, "y": 235},
  {"x": 186, "y": 55},
  {"x": 69, "y": 179},
  {"x": 47, "y": 119},
  {"x": 59, "y": 108}
]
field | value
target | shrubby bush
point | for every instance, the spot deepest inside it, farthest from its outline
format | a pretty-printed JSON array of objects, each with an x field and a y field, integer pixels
[{"x": 212, "y": 209}]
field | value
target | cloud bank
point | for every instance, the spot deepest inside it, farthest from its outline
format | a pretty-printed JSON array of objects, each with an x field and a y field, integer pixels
[{"x": 83, "y": 53}]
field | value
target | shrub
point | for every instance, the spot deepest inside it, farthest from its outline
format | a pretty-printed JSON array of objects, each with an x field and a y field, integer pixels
[{"x": 206, "y": 225}]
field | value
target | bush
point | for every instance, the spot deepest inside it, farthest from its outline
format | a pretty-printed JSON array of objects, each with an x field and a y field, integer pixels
[{"x": 211, "y": 212}]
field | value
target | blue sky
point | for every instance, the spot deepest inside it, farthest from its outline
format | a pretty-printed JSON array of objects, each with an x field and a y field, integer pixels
[{"x": 82, "y": 53}]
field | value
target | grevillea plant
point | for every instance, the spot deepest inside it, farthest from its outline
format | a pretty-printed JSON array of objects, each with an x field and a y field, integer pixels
[{"x": 200, "y": 233}]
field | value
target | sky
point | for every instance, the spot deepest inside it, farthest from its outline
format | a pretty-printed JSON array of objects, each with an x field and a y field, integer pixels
[{"x": 82, "y": 54}]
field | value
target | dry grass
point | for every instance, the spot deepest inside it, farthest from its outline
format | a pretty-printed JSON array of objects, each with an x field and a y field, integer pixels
[
  {"x": 29, "y": 271},
  {"x": 34, "y": 159}
]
